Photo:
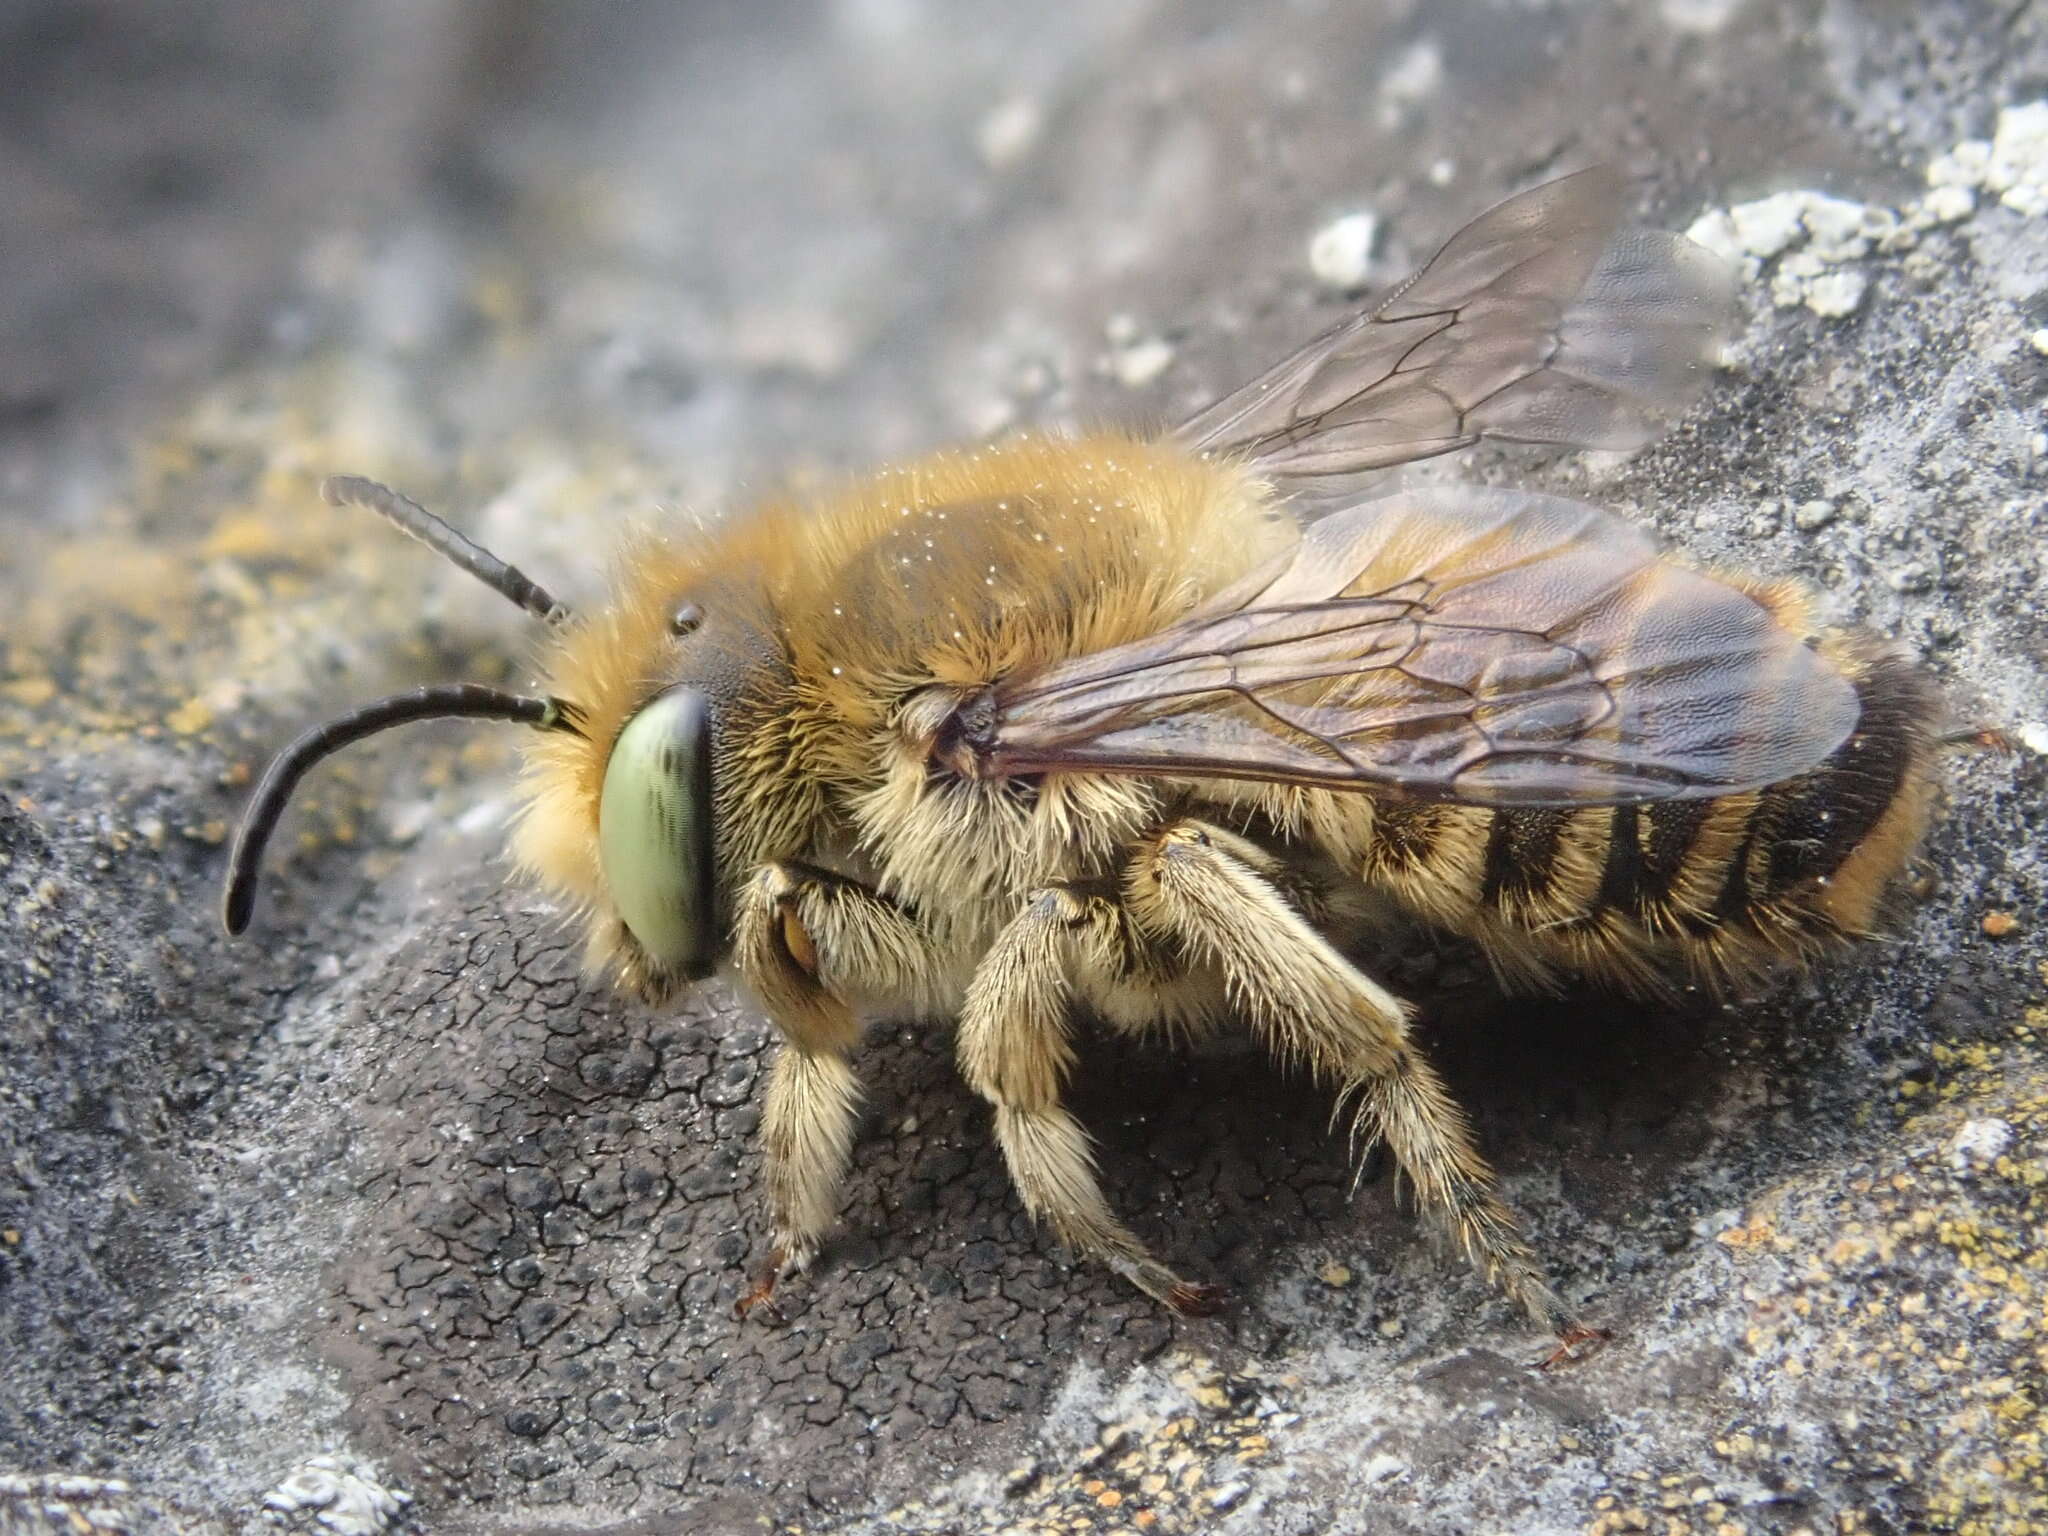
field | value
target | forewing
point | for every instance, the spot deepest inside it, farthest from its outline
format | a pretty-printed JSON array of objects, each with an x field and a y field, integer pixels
[
  {"x": 1540, "y": 321},
  {"x": 1489, "y": 646}
]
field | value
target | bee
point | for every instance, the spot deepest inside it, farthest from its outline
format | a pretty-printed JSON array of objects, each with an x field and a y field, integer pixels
[{"x": 1110, "y": 723}]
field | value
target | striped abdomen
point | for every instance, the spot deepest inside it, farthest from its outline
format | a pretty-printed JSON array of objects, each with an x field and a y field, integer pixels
[{"x": 1709, "y": 891}]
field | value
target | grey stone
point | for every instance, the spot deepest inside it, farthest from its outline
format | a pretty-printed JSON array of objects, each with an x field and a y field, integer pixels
[{"x": 391, "y": 1184}]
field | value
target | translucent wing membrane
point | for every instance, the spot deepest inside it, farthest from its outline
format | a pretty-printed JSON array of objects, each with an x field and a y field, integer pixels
[
  {"x": 1488, "y": 646},
  {"x": 1539, "y": 322}
]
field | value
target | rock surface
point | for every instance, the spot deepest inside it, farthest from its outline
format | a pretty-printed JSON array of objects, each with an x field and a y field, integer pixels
[{"x": 389, "y": 1202}]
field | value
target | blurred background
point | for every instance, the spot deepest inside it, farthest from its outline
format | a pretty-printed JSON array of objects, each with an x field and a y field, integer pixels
[{"x": 682, "y": 229}]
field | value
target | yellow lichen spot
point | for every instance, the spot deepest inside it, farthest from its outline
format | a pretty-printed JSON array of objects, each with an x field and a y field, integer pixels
[
  {"x": 1755, "y": 1231},
  {"x": 245, "y": 535},
  {"x": 190, "y": 717}
]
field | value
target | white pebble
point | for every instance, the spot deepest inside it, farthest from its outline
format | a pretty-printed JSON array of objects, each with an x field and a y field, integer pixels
[
  {"x": 1340, "y": 253},
  {"x": 2018, "y": 166},
  {"x": 1962, "y": 166},
  {"x": 1770, "y": 224},
  {"x": 1230, "y": 1495},
  {"x": 1795, "y": 272},
  {"x": 1836, "y": 294},
  {"x": 1008, "y": 132},
  {"x": 2028, "y": 199},
  {"x": 1811, "y": 515},
  {"x": 1141, "y": 362},
  {"x": 1699, "y": 16},
  {"x": 1715, "y": 1223},
  {"x": 346, "y": 1495},
  {"x": 1978, "y": 1143},
  {"x": 1842, "y": 230},
  {"x": 1415, "y": 74},
  {"x": 1910, "y": 578},
  {"x": 1946, "y": 204}
]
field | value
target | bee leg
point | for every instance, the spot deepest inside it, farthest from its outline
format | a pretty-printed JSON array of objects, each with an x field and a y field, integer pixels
[
  {"x": 1015, "y": 1051},
  {"x": 1197, "y": 885},
  {"x": 804, "y": 939}
]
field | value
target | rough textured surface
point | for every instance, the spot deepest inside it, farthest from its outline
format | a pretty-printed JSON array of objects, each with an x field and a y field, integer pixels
[{"x": 391, "y": 1185}]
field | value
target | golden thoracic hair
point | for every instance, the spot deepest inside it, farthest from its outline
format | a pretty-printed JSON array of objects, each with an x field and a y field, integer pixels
[{"x": 807, "y": 593}]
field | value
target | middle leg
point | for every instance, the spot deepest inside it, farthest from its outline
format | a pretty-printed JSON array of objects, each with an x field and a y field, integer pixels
[{"x": 1015, "y": 1051}]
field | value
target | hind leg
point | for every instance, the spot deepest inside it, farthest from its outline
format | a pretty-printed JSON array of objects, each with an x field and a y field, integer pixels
[{"x": 1208, "y": 890}]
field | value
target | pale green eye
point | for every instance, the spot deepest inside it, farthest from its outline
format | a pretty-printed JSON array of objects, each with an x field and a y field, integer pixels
[{"x": 654, "y": 831}]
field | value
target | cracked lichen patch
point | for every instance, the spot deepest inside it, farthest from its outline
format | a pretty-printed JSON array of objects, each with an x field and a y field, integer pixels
[
  {"x": 562, "y": 1204},
  {"x": 559, "y": 1203}
]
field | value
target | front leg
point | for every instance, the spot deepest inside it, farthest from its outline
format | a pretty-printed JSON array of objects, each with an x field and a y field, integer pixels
[
  {"x": 808, "y": 942},
  {"x": 1015, "y": 1052}
]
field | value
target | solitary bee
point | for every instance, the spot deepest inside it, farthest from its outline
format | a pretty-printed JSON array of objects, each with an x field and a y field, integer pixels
[{"x": 1108, "y": 722}]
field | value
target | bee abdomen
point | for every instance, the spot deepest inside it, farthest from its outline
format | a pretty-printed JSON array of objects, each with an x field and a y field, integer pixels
[
  {"x": 1637, "y": 861},
  {"x": 1832, "y": 840},
  {"x": 1715, "y": 890}
]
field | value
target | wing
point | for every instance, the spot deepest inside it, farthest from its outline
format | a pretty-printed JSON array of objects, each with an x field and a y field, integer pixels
[
  {"x": 1489, "y": 646},
  {"x": 1539, "y": 322}
]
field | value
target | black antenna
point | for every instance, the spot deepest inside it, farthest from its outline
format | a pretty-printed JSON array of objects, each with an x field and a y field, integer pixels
[
  {"x": 507, "y": 580},
  {"x": 471, "y": 700}
]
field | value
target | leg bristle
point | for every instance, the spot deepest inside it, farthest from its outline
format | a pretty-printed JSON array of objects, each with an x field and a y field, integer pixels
[{"x": 1191, "y": 1300}]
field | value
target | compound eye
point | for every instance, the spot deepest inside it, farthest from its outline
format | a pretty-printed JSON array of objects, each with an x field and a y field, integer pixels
[{"x": 654, "y": 831}]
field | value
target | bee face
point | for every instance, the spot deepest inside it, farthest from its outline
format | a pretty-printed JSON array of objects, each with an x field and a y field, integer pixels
[{"x": 1097, "y": 722}]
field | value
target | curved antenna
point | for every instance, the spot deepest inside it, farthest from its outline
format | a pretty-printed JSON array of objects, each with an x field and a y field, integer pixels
[
  {"x": 410, "y": 517},
  {"x": 470, "y": 700}
]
